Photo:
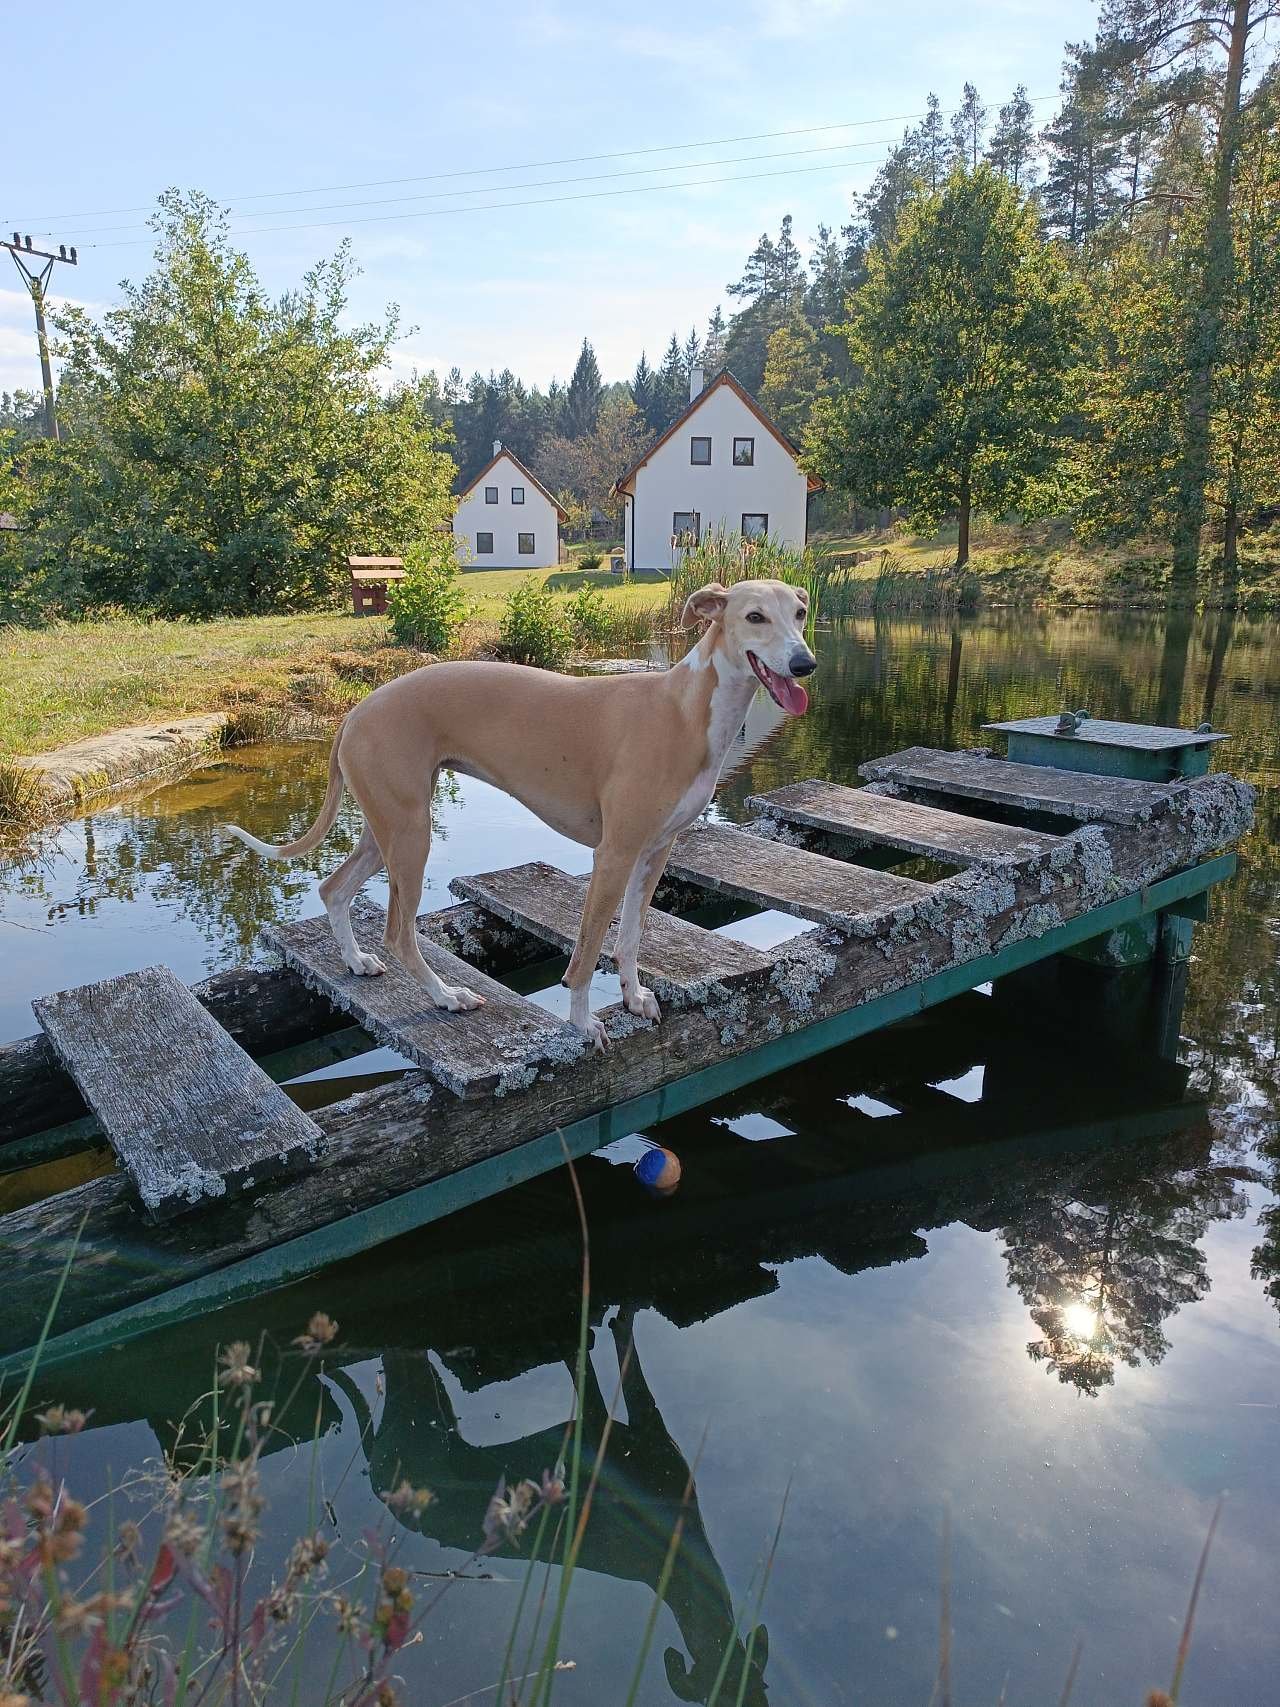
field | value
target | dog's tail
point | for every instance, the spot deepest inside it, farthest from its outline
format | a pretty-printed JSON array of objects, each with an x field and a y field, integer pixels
[{"x": 318, "y": 831}]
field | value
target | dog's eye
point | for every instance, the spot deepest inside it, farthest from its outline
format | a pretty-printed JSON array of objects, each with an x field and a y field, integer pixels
[
  {"x": 756, "y": 616},
  {"x": 801, "y": 614}
]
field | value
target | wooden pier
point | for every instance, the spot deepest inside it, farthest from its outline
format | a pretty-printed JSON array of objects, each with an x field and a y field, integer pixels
[{"x": 226, "y": 1187}]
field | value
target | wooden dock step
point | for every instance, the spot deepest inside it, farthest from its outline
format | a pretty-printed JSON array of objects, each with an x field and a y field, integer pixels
[
  {"x": 472, "y": 1054},
  {"x": 190, "y": 1116},
  {"x": 1025, "y": 788},
  {"x": 876, "y": 820},
  {"x": 680, "y": 960},
  {"x": 773, "y": 874}
]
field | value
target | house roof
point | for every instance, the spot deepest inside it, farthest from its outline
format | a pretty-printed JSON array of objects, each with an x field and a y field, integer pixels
[
  {"x": 532, "y": 478},
  {"x": 744, "y": 396}
]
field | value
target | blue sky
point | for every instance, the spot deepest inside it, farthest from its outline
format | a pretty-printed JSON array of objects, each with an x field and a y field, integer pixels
[{"x": 241, "y": 100}]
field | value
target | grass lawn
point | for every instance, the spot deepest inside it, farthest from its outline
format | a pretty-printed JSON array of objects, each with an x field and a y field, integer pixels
[
  {"x": 60, "y": 683},
  {"x": 488, "y": 588}
]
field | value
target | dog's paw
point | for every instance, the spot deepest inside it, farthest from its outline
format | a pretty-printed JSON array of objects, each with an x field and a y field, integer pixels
[
  {"x": 641, "y": 1000},
  {"x": 594, "y": 1032},
  {"x": 366, "y": 965},
  {"x": 459, "y": 1000}
]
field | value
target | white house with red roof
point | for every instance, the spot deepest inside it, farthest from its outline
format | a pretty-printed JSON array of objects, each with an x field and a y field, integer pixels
[
  {"x": 721, "y": 466},
  {"x": 506, "y": 518}
]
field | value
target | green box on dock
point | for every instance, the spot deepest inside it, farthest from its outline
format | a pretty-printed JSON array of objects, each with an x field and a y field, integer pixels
[{"x": 1074, "y": 741}]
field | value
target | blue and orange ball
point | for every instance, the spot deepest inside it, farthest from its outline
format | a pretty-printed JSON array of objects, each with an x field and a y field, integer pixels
[{"x": 659, "y": 1170}]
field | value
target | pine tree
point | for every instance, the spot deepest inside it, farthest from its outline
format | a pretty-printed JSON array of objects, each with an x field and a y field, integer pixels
[
  {"x": 1079, "y": 194},
  {"x": 1180, "y": 38},
  {"x": 691, "y": 355},
  {"x": 643, "y": 388},
  {"x": 967, "y": 124},
  {"x": 929, "y": 141},
  {"x": 672, "y": 390},
  {"x": 792, "y": 375},
  {"x": 582, "y": 400},
  {"x": 713, "y": 344},
  {"x": 1013, "y": 141}
]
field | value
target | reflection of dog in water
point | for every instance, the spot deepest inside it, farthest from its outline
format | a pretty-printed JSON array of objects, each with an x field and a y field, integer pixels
[{"x": 637, "y": 1504}]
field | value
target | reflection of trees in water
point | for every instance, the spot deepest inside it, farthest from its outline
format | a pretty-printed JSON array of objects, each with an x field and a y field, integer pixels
[
  {"x": 169, "y": 844},
  {"x": 1101, "y": 1276}
]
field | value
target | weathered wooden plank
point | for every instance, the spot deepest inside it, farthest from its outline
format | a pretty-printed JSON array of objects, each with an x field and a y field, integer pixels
[
  {"x": 188, "y": 1113},
  {"x": 487, "y": 1051},
  {"x": 773, "y": 874},
  {"x": 386, "y": 1144},
  {"x": 266, "y": 1010},
  {"x": 1028, "y": 788},
  {"x": 388, "y": 1156},
  {"x": 681, "y": 961},
  {"x": 878, "y": 820},
  {"x": 1143, "y": 737}
]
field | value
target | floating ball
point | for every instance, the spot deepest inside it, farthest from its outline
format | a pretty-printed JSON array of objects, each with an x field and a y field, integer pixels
[{"x": 659, "y": 1170}]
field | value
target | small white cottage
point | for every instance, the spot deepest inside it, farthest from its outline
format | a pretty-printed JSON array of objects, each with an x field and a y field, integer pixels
[
  {"x": 721, "y": 466},
  {"x": 506, "y": 518}
]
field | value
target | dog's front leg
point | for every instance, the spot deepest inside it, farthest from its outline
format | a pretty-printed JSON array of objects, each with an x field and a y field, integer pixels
[
  {"x": 609, "y": 876},
  {"x": 645, "y": 877}
]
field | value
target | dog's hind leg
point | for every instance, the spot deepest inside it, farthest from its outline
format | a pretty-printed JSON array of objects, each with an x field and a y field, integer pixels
[
  {"x": 644, "y": 879},
  {"x": 340, "y": 889},
  {"x": 406, "y": 850}
]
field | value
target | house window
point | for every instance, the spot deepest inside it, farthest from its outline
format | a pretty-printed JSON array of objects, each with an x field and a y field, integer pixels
[
  {"x": 700, "y": 452},
  {"x": 517, "y": 494},
  {"x": 526, "y": 544},
  {"x": 754, "y": 527},
  {"x": 684, "y": 527},
  {"x": 744, "y": 453},
  {"x": 484, "y": 545},
  {"x": 491, "y": 494}
]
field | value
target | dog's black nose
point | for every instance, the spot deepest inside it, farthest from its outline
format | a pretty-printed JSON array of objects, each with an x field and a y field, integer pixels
[{"x": 803, "y": 664}]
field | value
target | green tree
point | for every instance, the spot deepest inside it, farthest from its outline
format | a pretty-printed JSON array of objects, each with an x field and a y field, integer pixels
[
  {"x": 1204, "y": 44},
  {"x": 967, "y": 332},
  {"x": 1013, "y": 141},
  {"x": 582, "y": 400},
  {"x": 792, "y": 375},
  {"x": 772, "y": 281},
  {"x": 967, "y": 125},
  {"x": 229, "y": 450}
]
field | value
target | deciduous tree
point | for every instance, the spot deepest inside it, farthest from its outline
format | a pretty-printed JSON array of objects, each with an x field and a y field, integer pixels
[{"x": 967, "y": 332}]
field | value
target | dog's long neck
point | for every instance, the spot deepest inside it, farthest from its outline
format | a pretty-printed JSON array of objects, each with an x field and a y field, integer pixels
[{"x": 718, "y": 695}]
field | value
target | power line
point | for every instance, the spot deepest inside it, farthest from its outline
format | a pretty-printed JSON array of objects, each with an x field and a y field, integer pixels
[
  {"x": 535, "y": 201},
  {"x": 528, "y": 165},
  {"x": 36, "y": 281},
  {"x": 534, "y": 184}
]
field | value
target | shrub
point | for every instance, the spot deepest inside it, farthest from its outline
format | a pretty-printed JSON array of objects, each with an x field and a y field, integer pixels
[
  {"x": 428, "y": 606},
  {"x": 591, "y": 621},
  {"x": 590, "y": 559},
  {"x": 533, "y": 631}
]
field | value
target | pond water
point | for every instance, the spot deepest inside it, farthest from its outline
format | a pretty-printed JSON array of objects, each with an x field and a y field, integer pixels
[{"x": 1017, "y": 1269}]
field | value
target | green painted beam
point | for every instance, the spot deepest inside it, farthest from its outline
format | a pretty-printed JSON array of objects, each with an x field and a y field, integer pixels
[{"x": 353, "y": 1234}]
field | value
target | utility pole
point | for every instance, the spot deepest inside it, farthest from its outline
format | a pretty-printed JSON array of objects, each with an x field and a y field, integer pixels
[{"x": 35, "y": 281}]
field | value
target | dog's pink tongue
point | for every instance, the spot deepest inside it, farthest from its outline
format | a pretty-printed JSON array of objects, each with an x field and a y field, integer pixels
[{"x": 795, "y": 700}]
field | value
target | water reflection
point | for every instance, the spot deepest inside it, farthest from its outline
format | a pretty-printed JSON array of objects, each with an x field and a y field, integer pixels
[{"x": 1087, "y": 1195}]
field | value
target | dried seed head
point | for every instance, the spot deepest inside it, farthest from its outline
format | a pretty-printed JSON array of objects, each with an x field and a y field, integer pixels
[
  {"x": 237, "y": 1371},
  {"x": 320, "y": 1331},
  {"x": 59, "y": 1420},
  {"x": 408, "y": 1501}
]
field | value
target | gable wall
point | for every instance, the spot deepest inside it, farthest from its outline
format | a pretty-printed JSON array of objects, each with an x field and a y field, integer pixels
[
  {"x": 721, "y": 493},
  {"x": 505, "y": 520}
]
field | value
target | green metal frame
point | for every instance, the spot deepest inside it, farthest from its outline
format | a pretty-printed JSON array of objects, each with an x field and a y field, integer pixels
[
  {"x": 365, "y": 1228},
  {"x": 1062, "y": 752}
]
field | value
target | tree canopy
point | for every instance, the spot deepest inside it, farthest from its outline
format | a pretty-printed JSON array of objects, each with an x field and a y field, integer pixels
[{"x": 967, "y": 331}]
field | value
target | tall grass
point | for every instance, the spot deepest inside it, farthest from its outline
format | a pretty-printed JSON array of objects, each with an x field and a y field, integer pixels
[{"x": 836, "y": 589}]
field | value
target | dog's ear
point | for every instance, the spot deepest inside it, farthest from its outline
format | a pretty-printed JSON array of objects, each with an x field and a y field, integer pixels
[{"x": 706, "y": 605}]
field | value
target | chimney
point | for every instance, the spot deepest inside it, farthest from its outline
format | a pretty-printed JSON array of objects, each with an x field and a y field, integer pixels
[
  {"x": 695, "y": 382},
  {"x": 497, "y": 446}
]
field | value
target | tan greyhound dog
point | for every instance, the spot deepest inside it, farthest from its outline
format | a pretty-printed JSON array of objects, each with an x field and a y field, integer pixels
[{"x": 619, "y": 763}]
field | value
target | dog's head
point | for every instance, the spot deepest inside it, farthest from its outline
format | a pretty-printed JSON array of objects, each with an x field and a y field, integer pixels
[{"x": 760, "y": 628}]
